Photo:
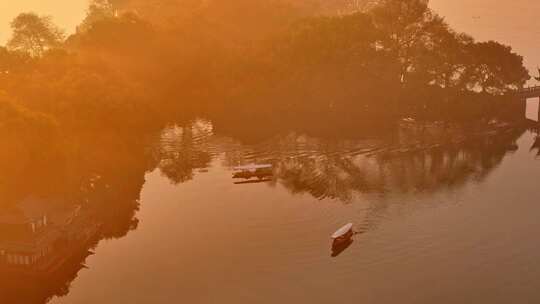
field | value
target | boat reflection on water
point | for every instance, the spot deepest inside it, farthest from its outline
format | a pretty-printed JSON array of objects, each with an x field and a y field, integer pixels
[
  {"x": 43, "y": 245},
  {"x": 254, "y": 181},
  {"x": 22, "y": 287},
  {"x": 339, "y": 248}
]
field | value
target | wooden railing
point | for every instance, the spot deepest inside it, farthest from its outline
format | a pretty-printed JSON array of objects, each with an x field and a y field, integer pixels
[{"x": 532, "y": 89}]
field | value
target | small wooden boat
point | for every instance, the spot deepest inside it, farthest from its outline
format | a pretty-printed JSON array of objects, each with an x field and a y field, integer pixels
[
  {"x": 251, "y": 171},
  {"x": 343, "y": 234},
  {"x": 253, "y": 167}
]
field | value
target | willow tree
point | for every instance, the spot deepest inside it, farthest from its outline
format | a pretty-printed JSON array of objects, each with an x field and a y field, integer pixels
[{"x": 34, "y": 35}]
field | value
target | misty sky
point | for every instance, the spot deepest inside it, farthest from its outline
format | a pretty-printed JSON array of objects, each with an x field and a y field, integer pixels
[
  {"x": 66, "y": 13},
  {"x": 515, "y": 23}
]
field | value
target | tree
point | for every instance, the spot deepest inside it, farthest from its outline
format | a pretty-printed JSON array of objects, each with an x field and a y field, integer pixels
[
  {"x": 11, "y": 61},
  {"x": 34, "y": 35},
  {"x": 495, "y": 69},
  {"x": 330, "y": 41},
  {"x": 122, "y": 34},
  {"x": 97, "y": 10},
  {"x": 404, "y": 27},
  {"x": 442, "y": 61},
  {"x": 334, "y": 7}
]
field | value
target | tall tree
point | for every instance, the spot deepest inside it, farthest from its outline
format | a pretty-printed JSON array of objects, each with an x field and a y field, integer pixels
[
  {"x": 443, "y": 60},
  {"x": 97, "y": 10},
  {"x": 404, "y": 28},
  {"x": 34, "y": 34}
]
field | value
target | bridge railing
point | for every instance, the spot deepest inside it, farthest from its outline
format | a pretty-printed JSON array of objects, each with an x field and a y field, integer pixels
[{"x": 529, "y": 89}]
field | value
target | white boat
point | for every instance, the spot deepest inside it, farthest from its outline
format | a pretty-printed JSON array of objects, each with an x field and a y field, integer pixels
[
  {"x": 253, "y": 167},
  {"x": 343, "y": 233},
  {"x": 251, "y": 171}
]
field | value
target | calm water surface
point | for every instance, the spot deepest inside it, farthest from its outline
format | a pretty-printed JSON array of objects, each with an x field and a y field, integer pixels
[{"x": 451, "y": 224}]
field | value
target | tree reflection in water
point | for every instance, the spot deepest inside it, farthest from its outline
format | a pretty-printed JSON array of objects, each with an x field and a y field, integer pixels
[
  {"x": 341, "y": 170},
  {"x": 101, "y": 184},
  {"x": 106, "y": 182},
  {"x": 183, "y": 150},
  {"x": 536, "y": 144}
]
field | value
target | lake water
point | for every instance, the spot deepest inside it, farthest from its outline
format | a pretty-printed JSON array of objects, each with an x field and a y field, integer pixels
[{"x": 450, "y": 223}]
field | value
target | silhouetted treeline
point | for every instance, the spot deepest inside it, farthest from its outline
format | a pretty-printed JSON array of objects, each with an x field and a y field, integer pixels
[{"x": 136, "y": 65}]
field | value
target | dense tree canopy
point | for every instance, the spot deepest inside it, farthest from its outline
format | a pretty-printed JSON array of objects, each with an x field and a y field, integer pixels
[
  {"x": 98, "y": 10},
  {"x": 146, "y": 63},
  {"x": 12, "y": 61},
  {"x": 494, "y": 68}
]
